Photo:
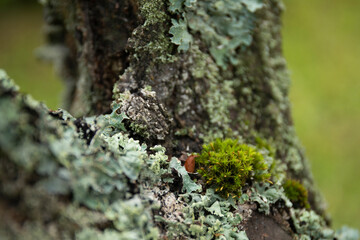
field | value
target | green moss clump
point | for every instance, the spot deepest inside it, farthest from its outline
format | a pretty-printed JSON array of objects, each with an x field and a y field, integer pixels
[
  {"x": 296, "y": 193},
  {"x": 228, "y": 166}
]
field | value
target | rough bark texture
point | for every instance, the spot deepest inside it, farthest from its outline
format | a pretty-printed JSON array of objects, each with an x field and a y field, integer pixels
[{"x": 184, "y": 73}]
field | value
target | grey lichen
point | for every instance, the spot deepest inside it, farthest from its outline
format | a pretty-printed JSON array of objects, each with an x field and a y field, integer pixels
[{"x": 148, "y": 117}]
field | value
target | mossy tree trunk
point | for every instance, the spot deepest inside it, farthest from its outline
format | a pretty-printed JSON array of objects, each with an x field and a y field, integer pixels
[
  {"x": 184, "y": 72},
  {"x": 119, "y": 48}
]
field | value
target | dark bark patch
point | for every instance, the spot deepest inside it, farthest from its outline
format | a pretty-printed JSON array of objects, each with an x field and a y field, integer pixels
[{"x": 262, "y": 227}]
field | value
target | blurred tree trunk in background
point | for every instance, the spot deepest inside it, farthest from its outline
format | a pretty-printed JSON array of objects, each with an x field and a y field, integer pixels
[{"x": 215, "y": 70}]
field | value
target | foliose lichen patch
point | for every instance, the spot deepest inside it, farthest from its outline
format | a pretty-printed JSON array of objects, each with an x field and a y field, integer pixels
[
  {"x": 99, "y": 175},
  {"x": 224, "y": 26}
]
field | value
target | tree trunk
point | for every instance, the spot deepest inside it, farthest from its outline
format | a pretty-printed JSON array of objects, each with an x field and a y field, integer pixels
[
  {"x": 203, "y": 94},
  {"x": 184, "y": 72}
]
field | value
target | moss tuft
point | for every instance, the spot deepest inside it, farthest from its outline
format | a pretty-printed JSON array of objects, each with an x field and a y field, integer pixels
[
  {"x": 296, "y": 193},
  {"x": 228, "y": 166}
]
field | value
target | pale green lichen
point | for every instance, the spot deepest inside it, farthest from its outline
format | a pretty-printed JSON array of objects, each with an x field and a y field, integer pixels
[
  {"x": 346, "y": 233},
  {"x": 225, "y": 26},
  {"x": 205, "y": 217},
  {"x": 217, "y": 101},
  {"x": 188, "y": 185},
  {"x": 7, "y": 84},
  {"x": 180, "y": 34},
  {"x": 309, "y": 225},
  {"x": 97, "y": 173},
  {"x": 266, "y": 195}
]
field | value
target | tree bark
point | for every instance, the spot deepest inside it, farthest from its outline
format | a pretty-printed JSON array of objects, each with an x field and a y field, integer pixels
[{"x": 184, "y": 73}]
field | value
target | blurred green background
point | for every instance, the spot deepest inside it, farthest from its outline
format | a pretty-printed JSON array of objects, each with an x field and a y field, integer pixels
[
  {"x": 322, "y": 47},
  {"x": 20, "y": 34}
]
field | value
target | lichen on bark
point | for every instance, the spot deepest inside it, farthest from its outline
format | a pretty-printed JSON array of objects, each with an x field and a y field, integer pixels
[
  {"x": 178, "y": 73},
  {"x": 238, "y": 92}
]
